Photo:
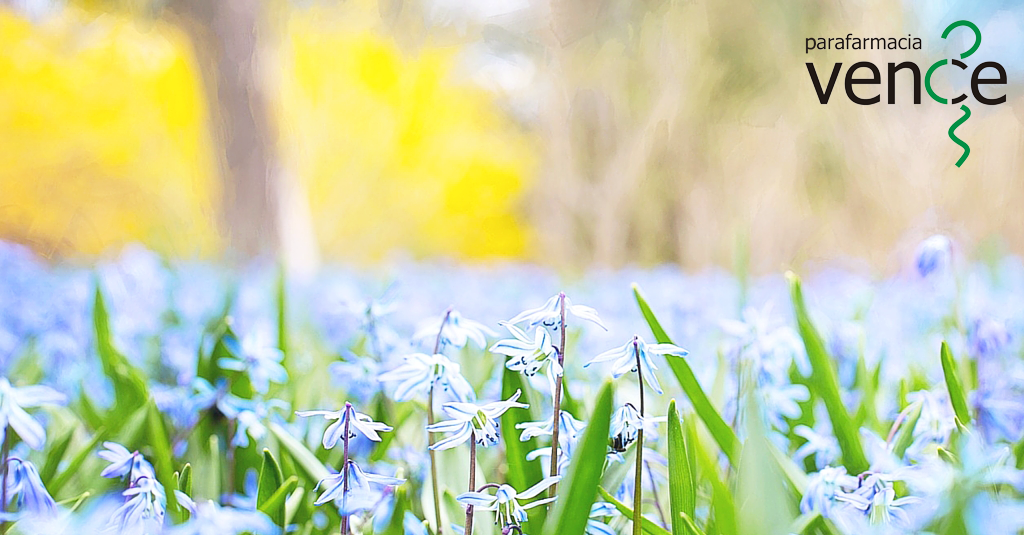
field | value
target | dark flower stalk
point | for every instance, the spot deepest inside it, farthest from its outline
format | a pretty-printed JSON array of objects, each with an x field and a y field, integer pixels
[
  {"x": 472, "y": 481},
  {"x": 344, "y": 468},
  {"x": 430, "y": 436},
  {"x": 638, "y": 476},
  {"x": 558, "y": 393},
  {"x": 5, "y": 453}
]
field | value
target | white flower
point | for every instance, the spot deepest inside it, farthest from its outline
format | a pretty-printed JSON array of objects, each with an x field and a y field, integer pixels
[
  {"x": 505, "y": 501},
  {"x": 569, "y": 431},
  {"x": 419, "y": 370},
  {"x": 13, "y": 402},
  {"x": 470, "y": 419},
  {"x": 356, "y": 421},
  {"x": 626, "y": 358},
  {"x": 529, "y": 354},
  {"x": 625, "y": 427},
  {"x": 550, "y": 314},
  {"x": 455, "y": 331},
  {"x": 359, "y": 496}
]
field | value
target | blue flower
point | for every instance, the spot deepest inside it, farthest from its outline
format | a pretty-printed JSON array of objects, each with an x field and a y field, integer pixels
[
  {"x": 23, "y": 483},
  {"x": 470, "y": 419},
  {"x": 550, "y": 314},
  {"x": 143, "y": 511},
  {"x": 625, "y": 359},
  {"x": 249, "y": 415},
  {"x": 13, "y": 402},
  {"x": 419, "y": 371},
  {"x": 529, "y": 354},
  {"x": 823, "y": 446},
  {"x": 595, "y": 524},
  {"x": 357, "y": 422},
  {"x": 569, "y": 431},
  {"x": 413, "y": 526},
  {"x": 987, "y": 337},
  {"x": 823, "y": 487},
  {"x": 876, "y": 500},
  {"x": 625, "y": 427},
  {"x": 124, "y": 463},
  {"x": 933, "y": 254},
  {"x": 505, "y": 501},
  {"x": 359, "y": 496},
  {"x": 453, "y": 331},
  {"x": 212, "y": 519},
  {"x": 259, "y": 359}
]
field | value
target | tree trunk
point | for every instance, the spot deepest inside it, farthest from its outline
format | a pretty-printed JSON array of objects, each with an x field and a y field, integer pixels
[{"x": 226, "y": 37}]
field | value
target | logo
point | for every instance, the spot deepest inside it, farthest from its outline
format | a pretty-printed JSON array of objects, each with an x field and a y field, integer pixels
[{"x": 980, "y": 76}]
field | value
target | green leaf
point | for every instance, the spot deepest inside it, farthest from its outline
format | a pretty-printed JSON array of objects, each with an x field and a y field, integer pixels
[
  {"x": 626, "y": 511},
  {"x": 292, "y": 504},
  {"x": 720, "y": 431},
  {"x": 282, "y": 311},
  {"x": 185, "y": 479},
  {"x": 395, "y": 525},
  {"x": 905, "y": 434},
  {"x": 722, "y": 504},
  {"x": 56, "y": 455},
  {"x": 310, "y": 465},
  {"x": 164, "y": 460},
  {"x": 956, "y": 388},
  {"x": 813, "y": 523},
  {"x": 269, "y": 483},
  {"x": 522, "y": 474},
  {"x": 825, "y": 383},
  {"x": 760, "y": 486},
  {"x": 274, "y": 506},
  {"x": 212, "y": 481},
  {"x": 681, "y": 481},
  {"x": 579, "y": 487},
  {"x": 130, "y": 390},
  {"x": 75, "y": 464}
]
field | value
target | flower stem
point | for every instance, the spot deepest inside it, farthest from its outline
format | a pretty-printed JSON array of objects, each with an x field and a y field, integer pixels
[
  {"x": 5, "y": 453},
  {"x": 430, "y": 436},
  {"x": 638, "y": 483},
  {"x": 558, "y": 395},
  {"x": 472, "y": 480},
  {"x": 344, "y": 467}
]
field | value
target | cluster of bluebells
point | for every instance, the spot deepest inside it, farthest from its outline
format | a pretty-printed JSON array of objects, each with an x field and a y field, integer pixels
[{"x": 112, "y": 372}]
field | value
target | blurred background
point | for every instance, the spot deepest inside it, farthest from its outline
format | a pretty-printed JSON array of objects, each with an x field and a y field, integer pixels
[{"x": 568, "y": 133}]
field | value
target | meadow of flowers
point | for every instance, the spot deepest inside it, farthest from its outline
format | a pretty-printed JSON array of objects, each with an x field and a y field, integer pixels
[{"x": 144, "y": 396}]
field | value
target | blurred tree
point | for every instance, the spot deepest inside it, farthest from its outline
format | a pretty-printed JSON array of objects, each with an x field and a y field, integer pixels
[{"x": 226, "y": 37}]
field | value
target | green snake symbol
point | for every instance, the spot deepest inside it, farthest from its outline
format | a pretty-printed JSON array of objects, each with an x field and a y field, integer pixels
[
  {"x": 958, "y": 141},
  {"x": 940, "y": 100}
]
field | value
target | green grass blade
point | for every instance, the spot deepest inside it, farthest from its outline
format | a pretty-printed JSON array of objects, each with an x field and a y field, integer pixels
[
  {"x": 75, "y": 463},
  {"x": 274, "y": 506},
  {"x": 706, "y": 411},
  {"x": 310, "y": 465},
  {"x": 270, "y": 481},
  {"x": 164, "y": 460},
  {"x": 281, "y": 296},
  {"x": 957, "y": 396},
  {"x": 522, "y": 474},
  {"x": 578, "y": 489},
  {"x": 130, "y": 390},
  {"x": 905, "y": 434},
  {"x": 681, "y": 488},
  {"x": 185, "y": 479},
  {"x": 56, "y": 455},
  {"x": 825, "y": 383},
  {"x": 645, "y": 523},
  {"x": 760, "y": 485}
]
